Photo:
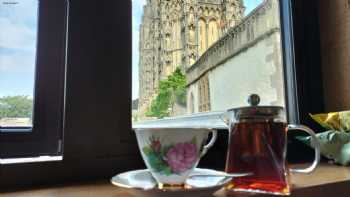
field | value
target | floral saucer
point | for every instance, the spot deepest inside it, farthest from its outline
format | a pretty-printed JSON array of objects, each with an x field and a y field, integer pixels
[{"x": 140, "y": 183}]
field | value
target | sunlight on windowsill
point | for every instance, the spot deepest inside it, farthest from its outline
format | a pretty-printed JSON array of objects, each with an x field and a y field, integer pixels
[{"x": 31, "y": 159}]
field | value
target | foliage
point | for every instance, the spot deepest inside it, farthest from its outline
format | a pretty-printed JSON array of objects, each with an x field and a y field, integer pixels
[
  {"x": 16, "y": 107},
  {"x": 171, "y": 90}
]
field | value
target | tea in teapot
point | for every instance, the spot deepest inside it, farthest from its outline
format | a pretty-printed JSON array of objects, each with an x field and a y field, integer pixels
[{"x": 258, "y": 144}]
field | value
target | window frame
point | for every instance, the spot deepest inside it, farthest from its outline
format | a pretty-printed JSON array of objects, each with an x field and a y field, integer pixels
[
  {"x": 44, "y": 137},
  {"x": 307, "y": 61},
  {"x": 94, "y": 33}
]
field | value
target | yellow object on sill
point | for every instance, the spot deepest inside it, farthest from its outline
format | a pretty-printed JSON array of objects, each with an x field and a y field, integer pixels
[
  {"x": 339, "y": 121},
  {"x": 334, "y": 143}
]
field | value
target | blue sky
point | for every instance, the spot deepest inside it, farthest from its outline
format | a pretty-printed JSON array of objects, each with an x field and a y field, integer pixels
[
  {"x": 136, "y": 20},
  {"x": 18, "y": 24}
]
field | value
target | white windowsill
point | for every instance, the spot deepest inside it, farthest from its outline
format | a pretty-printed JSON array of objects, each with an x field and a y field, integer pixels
[
  {"x": 209, "y": 120},
  {"x": 30, "y": 159}
]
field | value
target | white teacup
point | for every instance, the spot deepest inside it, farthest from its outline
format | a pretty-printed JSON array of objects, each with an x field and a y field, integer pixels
[{"x": 172, "y": 153}]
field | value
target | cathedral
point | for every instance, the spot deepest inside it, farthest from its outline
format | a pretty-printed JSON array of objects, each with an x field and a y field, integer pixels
[{"x": 175, "y": 33}]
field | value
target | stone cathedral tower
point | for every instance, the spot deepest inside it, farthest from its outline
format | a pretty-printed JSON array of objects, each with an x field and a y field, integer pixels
[{"x": 175, "y": 33}]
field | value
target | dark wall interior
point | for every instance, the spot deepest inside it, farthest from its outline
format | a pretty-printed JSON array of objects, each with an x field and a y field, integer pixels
[{"x": 335, "y": 47}]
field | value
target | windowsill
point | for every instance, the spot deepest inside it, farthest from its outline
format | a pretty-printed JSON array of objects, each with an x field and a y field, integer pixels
[
  {"x": 327, "y": 180},
  {"x": 210, "y": 120},
  {"x": 15, "y": 129},
  {"x": 31, "y": 160}
]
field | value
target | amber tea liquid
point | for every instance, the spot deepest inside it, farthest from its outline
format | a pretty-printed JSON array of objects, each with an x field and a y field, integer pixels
[{"x": 260, "y": 148}]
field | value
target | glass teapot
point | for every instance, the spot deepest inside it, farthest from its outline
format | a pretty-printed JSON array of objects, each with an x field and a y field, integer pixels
[{"x": 258, "y": 145}]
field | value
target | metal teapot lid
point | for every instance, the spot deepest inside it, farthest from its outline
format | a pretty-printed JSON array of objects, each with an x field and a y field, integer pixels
[{"x": 255, "y": 112}]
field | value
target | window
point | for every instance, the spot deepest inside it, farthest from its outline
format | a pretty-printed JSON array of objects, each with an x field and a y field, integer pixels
[
  {"x": 17, "y": 61},
  {"x": 32, "y": 75},
  {"x": 204, "y": 94},
  {"x": 225, "y": 51},
  {"x": 213, "y": 29},
  {"x": 97, "y": 92},
  {"x": 202, "y": 36}
]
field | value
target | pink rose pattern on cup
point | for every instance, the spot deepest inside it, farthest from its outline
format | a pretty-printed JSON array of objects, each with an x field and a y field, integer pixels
[
  {"x": 171, "y": 159},
  {"x": 181, "y": 157}
]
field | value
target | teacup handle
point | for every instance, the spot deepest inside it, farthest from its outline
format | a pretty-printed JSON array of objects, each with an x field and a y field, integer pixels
[
  {"x": 210, "y": 144},
  {"x": 315, "y": 143}
]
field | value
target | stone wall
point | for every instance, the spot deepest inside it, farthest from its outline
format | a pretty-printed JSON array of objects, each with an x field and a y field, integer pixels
[{"x": 246, "y": 60}]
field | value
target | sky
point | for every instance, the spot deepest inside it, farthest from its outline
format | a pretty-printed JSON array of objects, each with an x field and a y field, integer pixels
[
  {"x": 18, "y": 24},
  {"x": 136, "y": 21}
]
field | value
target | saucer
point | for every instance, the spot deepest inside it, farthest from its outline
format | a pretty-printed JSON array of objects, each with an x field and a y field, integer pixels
[{"x": 140, "y": 183}]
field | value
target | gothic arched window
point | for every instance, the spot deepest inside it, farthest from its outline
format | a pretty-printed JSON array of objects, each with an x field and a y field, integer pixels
[
  {"x": 213, "y": 32},
  {"x": 202, "y": 38}
]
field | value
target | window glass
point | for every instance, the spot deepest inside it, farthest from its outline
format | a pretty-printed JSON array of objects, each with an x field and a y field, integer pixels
[
  {"x": 18, "y": 24},
  {"x": 198, "y": 57}
]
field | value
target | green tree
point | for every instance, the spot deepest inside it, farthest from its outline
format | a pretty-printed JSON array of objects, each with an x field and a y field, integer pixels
[
  {"x": 16, "y": 107},
  {"x": 171, "y": 90}
]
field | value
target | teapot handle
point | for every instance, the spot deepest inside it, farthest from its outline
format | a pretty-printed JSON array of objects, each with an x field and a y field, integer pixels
[
  {"x": 210, "y": 144},
  {"x": 314, "y": 142}
]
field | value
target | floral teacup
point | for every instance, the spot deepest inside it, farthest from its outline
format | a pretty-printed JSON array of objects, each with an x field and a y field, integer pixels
[{"x": 172, "y": 153}]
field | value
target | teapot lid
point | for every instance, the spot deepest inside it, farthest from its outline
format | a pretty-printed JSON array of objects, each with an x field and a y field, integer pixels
[{"x": 255, "y": 112}]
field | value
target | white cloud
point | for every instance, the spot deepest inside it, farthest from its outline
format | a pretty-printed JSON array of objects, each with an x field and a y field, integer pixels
[
  {"x": 21, "y": 10},
  {"x": 17, "y": 62},
  {"x": 16, "y": 35},
  {"x": 18, "y": 23},
  {"x": 138, "y": 2}
]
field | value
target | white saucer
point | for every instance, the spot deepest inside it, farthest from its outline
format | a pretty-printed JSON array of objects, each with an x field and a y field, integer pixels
[{"x": 140, "y": 183}]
